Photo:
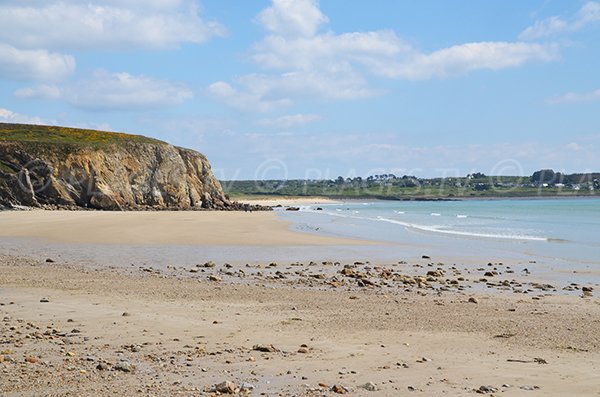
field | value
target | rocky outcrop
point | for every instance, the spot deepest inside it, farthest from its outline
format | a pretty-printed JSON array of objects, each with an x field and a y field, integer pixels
[{"x": 127, "y": 175}]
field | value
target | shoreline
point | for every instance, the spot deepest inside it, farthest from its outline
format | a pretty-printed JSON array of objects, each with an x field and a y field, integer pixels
[{"x": 334, "y": 199}]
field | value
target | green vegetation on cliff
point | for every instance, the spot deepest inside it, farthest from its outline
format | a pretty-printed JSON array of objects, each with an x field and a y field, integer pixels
[{"x": 64, "y": 135}]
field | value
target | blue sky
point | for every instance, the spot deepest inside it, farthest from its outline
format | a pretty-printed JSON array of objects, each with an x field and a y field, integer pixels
[{"x": 309, "y": 89}]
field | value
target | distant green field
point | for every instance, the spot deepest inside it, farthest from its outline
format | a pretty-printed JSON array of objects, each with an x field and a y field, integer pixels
[
  {"x": 50, "y": 134},
  {"x": 399, "y": 189}
]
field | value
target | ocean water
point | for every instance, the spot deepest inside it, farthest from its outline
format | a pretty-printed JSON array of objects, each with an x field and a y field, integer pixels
[{"x": 561, "y": 232}]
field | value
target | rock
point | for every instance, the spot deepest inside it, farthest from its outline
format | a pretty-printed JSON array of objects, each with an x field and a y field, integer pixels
[
  {"x": 265, "y": 348},
  {"x": 226, "y": 387},
  {"x": 339, "y": 389},
  {"x": 214, "y": 278},
  {"x": 126, "y": 314},
  {"x": 486, "y": 389},
  {"x": 102, "y": 366},
  {"x": 529, "y": 388},
  {"x": 425, "y": 257},
  {"x": 49, "y": 260},
  {"x": 209, "y": 264},
  {"x": 246, "y": 387},
  {"x": 105, "y": 171},
  {"x": 473, "y": 300},
  {"x": 124, "y": 366},
  {"x": 370, "y": 386},
  {"x": 31, "y": 359},
  {"x": 303, "y": 350},
  {"x": 45, "y": 300}
]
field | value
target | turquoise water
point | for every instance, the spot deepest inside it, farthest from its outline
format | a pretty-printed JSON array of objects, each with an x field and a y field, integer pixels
[{"x": 564, "y": 231}]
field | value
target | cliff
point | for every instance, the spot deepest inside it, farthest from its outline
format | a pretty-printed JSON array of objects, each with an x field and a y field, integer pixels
[{"x": 56, "y": 167}]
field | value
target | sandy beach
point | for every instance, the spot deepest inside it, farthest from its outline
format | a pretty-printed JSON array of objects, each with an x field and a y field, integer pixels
[
  {"x": 70, "y": 331},
  {"x": 288, "y": 329},
  {"x": 165, "y": 227}
]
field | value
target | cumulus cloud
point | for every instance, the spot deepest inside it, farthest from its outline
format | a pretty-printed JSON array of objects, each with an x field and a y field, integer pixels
[
  {"x": 292, "y": 120},
  {"x": 252, "y": 98},
  {"x": 293, "y": 17},
  {"x": 302, "y": 60},
  {"x": 462, "y": 59},
  {"x": 113, "y": 91},
  {"x": 111, "y": 24},
  {"x": 588, "y": 14},
  {"x": 8, "y": 116},
  {"x": 41, "y": 65},
  {"x": 575, "y": 97}
]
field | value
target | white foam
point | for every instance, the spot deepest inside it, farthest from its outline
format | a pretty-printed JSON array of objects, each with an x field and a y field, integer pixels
[
  {"x": 438, "y": 229},
  {"x": 435, "y": 214}
]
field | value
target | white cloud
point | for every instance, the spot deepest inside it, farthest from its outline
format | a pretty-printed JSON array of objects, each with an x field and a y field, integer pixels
[
  {"x": 462, "y": 59},
  {"x": 293, "y": 17},
  {"x": 113, "y": 91},
  {"x": 105, "y": 24},
  {"x": 292, "y": 120},
  {"x": 306, "y": 62},
  {"x": 44, "y": 91},
  {"x": 252, "y": 99},
  {"x": 588, "y": 14},
  {"x": 8, "y": 116},
  {"x": 41, "y": 65},
  {"x": 575, "y": 97}
]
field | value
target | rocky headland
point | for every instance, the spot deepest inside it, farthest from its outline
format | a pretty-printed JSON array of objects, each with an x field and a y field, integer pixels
[{"x": 66, "y": 168}]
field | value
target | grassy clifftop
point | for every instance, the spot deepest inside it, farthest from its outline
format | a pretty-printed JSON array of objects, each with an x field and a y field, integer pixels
[{"x": 64, "y": 135}]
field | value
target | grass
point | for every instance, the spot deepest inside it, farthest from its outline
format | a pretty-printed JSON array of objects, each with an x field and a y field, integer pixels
[
  {"x": 261, "y": 189},
  {"x": 5, "y": 168},
  {"x": 64, "y": 135}
]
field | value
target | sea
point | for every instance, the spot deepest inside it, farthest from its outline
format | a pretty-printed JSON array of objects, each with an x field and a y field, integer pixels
[{"x": 562, "y": 235}]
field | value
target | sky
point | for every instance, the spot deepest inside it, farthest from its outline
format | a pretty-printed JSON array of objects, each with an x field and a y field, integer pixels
[{"x": 309, "y": 89}]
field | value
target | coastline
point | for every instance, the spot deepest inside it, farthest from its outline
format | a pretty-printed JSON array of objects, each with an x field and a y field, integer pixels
[{"x": 111, "y": 301}]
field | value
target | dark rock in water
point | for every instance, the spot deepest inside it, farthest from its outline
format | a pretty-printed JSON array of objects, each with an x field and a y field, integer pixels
[
  {"x": 319, "y": 209},
  {"x": 425, "y": 257},
  {"x": 292, "y": 209},
  {"x": 66, "y": 168}
]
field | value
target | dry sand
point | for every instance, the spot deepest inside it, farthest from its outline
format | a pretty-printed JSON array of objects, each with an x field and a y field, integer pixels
[
  {"x": 258, "y": 228},
  {"x": 181, "y": 336}
]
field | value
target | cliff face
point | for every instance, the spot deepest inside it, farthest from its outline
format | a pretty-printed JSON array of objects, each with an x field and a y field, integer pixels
[{"x": 115, "y": 176}]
